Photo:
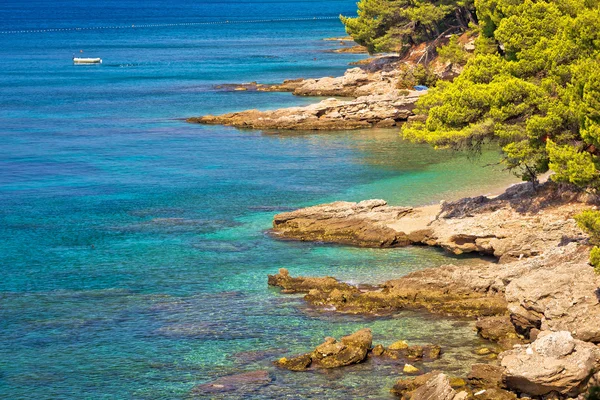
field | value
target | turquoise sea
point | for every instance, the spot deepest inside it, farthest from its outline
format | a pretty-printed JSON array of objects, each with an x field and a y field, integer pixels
[{"x": 134, "y": 247}]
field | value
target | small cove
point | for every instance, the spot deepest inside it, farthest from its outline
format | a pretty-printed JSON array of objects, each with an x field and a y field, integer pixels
[{"x": 133, "y": 247}]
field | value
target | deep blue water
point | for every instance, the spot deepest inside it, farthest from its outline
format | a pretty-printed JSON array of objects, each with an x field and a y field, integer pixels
[{"x": 133, "y": 246}]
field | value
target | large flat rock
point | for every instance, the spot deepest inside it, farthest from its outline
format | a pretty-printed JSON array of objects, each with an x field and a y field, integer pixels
[{"x": 386, "y": 110}]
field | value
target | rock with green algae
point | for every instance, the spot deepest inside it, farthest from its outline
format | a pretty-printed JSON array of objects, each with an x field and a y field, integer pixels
[
  {"x": 306, "y": 284},
  {"x": 484, "y": 351},
  {"x": 351, "y": 349},
  {"x": 410, "y": 369},
  {"x": 457, "y": 382},
  {"x": 399, "y": 345},
  {"x": 411, "y": 291},
  {"x": 378, "y": 350},
  {"x": 299, "y": 363}
]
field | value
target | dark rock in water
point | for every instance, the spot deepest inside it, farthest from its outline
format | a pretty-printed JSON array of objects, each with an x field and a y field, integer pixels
[
  {"x": 485, "y": 376},
  {"x": 402, "y": 351},
  {"x": 244, "y": 382}
]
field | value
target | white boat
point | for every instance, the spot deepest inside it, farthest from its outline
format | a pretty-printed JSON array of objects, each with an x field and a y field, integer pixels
[{"x": 77, "y": 60}]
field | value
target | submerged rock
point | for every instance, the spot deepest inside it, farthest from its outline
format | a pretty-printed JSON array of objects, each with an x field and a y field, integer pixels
[
  {"x": 555, "y": 362},
  {"x": 244, "y": 382}
]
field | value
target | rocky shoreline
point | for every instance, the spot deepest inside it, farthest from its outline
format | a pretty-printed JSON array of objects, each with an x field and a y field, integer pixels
[
  {"x": 376, "y": 100},
  {"x": 540, "y": 301},
  {"x": 376, "y": 103}
]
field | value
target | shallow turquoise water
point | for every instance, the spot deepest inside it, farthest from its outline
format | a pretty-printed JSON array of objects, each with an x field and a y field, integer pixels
[{"x": 133, "y": 246}]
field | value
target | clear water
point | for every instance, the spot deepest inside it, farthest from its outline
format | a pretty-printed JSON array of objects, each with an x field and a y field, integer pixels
[{"x": 133, "y": 246}]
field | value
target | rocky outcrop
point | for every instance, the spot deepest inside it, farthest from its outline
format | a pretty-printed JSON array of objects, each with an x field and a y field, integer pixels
[
  {"x": 351, "y": 349},
  {"x": 437, "y": 290},
  {"x": 556, "y": 291},
  {"x": 543, "y": 280},
  {"x": 554, "y": 363},
  {"x": 355, "y": 348},
  {"x": 378, "y": 77},
  {"x": 542, "y": 288},
  {"x": 361, "y": 224},
  {"x": 306, "y": 284},
  {"x": 357, "y": 49},
  {"x": 331, "y": 114},
  {"x": 240, "y": 383},
  {"x": 520, "y": 223}
]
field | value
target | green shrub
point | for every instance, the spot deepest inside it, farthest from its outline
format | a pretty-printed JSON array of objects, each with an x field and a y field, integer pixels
[
  {"x": 453, "y": 52},
  {"x": 589, "y": 221},
  {"x": 418, "y": 75},
  {"x": 594, "y": 393},
  {"x": 595, "y": 262}
]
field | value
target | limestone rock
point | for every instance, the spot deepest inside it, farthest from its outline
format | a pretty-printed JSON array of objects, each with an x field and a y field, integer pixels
[
  {"x": 555, "y": 362},
  {"x": 543, "y": 280},
  {"x": 378, "y": 350},
  {"x": 499, "y": 329},
  {"x": 331, "y": 114},
  {"x": 405, "y": 386},
  {"x": 436, "y": 388}
]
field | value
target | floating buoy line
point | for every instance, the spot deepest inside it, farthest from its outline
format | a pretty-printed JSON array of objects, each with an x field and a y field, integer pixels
[{"x": 135, "y": 26}]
